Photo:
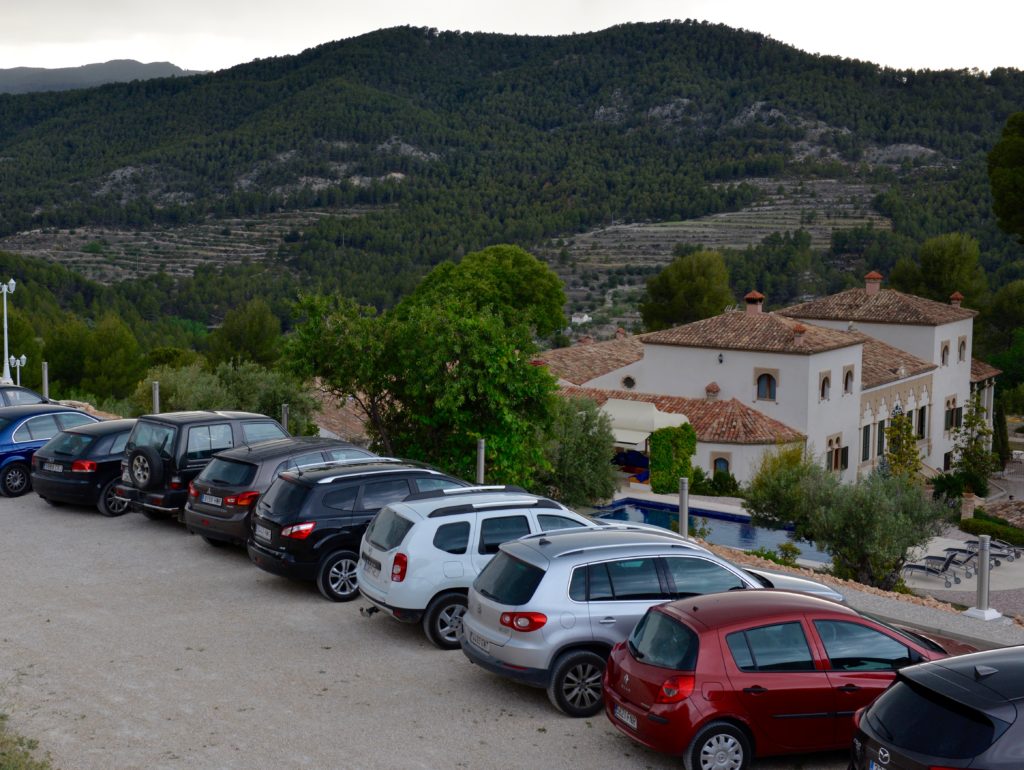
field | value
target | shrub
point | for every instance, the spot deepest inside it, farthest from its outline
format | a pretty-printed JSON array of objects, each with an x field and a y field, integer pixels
[
  {"x": 671, "y": 450},
  {"x": 578, "y": 446},
  {"x": 997, "y": 531}
]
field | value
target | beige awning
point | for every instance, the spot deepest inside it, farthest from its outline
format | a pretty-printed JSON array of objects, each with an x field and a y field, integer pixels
[
  {"x": 634, "y": 421},
  {"x": 630, "y": 439}
]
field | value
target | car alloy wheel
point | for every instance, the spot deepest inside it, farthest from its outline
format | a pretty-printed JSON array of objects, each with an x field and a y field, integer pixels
[
  {"x": 575, "y": 687},
  {"x": 15, "y": 481},
  {"x": 443, "y": 620},
  {"x": 336, "y": 578},
  {"x": 109, "y": 503}
]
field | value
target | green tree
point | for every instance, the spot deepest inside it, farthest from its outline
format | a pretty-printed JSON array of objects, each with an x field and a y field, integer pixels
[
  {"x": 578, "y": 449},
  {"x": 949, "y": 263},
  {"x": 113, "y": 362},
  {"x": 1007, "y": 311},
  {"x": 692, "y": 287},
  {"x": 772, "y": 495},
  {"x": 22, "y": 341},
  {"x": 1000, "y": 434},
  {"x": 181, "y": 388},
  {"x": 64, "y": 347},
  {"x": 252, "y": 387},
  {"x": 1006, "y": 176},
  {"x": 902, "y": 455},
  {"x": 671, "y": 451},
  {"x": 973, "y": 461},
  {"x": 508, "y": 280},
  {"x": 249, "y": 333}
]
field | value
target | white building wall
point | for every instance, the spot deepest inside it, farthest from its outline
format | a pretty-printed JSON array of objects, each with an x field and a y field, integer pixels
[
  {"x": 832, "y": 421},
  {"x": 744, "y": 459}
]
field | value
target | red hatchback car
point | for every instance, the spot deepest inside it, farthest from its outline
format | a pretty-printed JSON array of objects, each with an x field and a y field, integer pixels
[{"x": 720, "y": 678}]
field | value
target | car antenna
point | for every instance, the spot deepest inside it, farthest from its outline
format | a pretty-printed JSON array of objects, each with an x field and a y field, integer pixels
[{"x": 980, "y": 672}]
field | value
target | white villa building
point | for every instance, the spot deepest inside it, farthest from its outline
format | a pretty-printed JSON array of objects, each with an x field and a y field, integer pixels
[{"x": 829, "y": 373}]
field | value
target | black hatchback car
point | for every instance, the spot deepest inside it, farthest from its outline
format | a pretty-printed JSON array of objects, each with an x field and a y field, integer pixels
[
  {"x": 82, "y": 466},
  {"x": 962, "y": 711},
  {"x": 166, "y": 451},
  {"x": 309, "y": 523},
  {"x": 221, "y": 498}
]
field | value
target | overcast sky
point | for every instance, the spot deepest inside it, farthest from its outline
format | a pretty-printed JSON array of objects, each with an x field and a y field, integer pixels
[{"x": 214, "y": 34}]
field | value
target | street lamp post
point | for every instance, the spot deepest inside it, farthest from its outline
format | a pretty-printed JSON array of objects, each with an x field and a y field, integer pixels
[
  {"x": 17, "y": 363},
  {"x": 5, "y": 289}
]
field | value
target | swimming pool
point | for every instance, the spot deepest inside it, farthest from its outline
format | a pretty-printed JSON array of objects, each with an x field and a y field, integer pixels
[{"x": 725, "y": 529}]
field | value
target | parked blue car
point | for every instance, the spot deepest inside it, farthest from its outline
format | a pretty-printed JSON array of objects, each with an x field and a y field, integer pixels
[{"x": 23, "y": 429}]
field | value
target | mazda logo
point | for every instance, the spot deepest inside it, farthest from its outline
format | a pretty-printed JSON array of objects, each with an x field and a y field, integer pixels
[{"x": 883, "y": 756}]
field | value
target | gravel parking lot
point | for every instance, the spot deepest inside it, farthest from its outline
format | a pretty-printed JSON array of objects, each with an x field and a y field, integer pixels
[{"x": 125, "y": 643}]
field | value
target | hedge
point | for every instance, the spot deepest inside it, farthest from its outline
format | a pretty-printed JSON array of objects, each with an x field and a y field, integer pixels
[{"x": 1009, "y": 534}]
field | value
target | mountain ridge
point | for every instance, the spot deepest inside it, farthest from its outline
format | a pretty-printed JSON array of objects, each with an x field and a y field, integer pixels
[{"x": 22, "y": 80}]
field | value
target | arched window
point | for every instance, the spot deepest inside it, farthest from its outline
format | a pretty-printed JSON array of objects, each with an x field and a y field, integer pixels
[
  {"x": 766, "y": 388},
  {"x": 848, "y": 383},
  {"x": 963, "y": 350},
  {"x": 945, "y": 355},
  {"x": 721, "y": 464},
  {"x": 826, "y": 388}
]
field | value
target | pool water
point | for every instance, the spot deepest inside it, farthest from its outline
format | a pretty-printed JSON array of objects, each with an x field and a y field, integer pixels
[{"x": 725, "y": 529}]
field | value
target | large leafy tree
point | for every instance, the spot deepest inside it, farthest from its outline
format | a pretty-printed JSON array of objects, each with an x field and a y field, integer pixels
[
  {"x": 578, "y": 449},
  {"x": 948, "y": 263},
  {"x": 692, "y": 287},
  {"x": 902, "y": 455},
  {"x": 249, "y": 333},
  {"x": 1007, "y": 311},
  {"x": 1006, "y": 176},
  {"x": 113, "y": 362},
  {"x": 973, "y": 461}
]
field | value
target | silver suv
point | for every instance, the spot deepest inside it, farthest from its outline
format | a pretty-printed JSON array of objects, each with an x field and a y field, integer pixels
[
  {"x": 548, "y": 608},
  {"x": 418, "y": 557}
]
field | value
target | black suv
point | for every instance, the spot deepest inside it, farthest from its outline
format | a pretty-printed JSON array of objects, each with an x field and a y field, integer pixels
[
  {"x": 166, "y": 451},
  {"x": 222, "y": 497},
  {"x": 309, "y": 523}
]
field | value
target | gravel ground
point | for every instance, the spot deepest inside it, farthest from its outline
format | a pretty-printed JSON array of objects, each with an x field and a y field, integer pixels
[{"x": 125, "y": 643}]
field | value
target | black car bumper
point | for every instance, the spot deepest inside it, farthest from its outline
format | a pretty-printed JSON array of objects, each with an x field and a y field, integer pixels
[
  {"x": 279, "y": 562},
  {"x": 232, "y": 529},
  {"x": 170, "y": 502},
  {"x": 76, "y": 491},
  {"x": 535, "y": 677}
]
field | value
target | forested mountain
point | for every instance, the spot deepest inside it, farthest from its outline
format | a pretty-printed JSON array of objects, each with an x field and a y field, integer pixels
[
  {"x": 456, "y": 140},
  {"x": 23, "y": 80}
]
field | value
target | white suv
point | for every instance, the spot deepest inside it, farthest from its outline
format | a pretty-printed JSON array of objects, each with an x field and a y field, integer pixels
[{"x": 419, "y": 557}]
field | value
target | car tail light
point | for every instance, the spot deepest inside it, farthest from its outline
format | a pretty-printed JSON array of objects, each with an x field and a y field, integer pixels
[
  {"x": 523, "y": 621},
  {"x": 298, "y": 531},
  {"x": 856, "y": 718},
  {"x": 399, "y": 567},
  {"x": 83, "y": 466},
  {"x": 243, "y": 499},
  {"x": 176, "y": 482},
  {"x": 192, "y": 491},
  {"x": 675, "y": 689}
]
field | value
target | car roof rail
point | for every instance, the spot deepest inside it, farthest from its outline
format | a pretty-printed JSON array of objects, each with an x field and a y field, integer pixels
[
  {"x": 345, "y": 461},
  {"x": 431, "y": 494},
  {"x": 503, "y": 505}
]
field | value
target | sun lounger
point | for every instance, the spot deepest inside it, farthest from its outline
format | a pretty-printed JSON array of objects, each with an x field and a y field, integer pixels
[
  {"x": 998, "y": 549},
  {"x": 935, "y": 566}
]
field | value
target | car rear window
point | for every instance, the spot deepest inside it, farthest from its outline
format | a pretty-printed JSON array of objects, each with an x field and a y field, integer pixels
[
  {"x": 228, "y": 472},
  {"x": 659, "y": 640},
  {"x": 154, "y": 435},
  {"x": 283, "y": 500},
  {"x": 387, "y": 530},
  {"x": 68, "y": 444},
  {"x": 917, "y": 719},
  {"x": 508, "y": 580}
]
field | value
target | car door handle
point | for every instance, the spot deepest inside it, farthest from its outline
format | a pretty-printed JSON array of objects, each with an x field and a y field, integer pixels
[
  {"x": 848, "y": 688},
  {"x": 755, "y": 690},
  {"x": 606, "y": 621}
]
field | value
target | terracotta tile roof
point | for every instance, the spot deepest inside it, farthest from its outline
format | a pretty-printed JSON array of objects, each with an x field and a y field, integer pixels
[
  {"x": 582, "y": 363},
  {"x": 980, "y": 371},
  {"x": 884, "y": 306},
  {"x": 720, "y": 422},
  {"x": 768, "y": 332},
  {"x": 882, "y": 363}
]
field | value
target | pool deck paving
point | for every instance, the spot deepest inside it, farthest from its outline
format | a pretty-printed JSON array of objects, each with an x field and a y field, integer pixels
[{"x": 1006, "y": 583}]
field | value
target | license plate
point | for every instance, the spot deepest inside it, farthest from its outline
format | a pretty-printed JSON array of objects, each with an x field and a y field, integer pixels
[
  {"x": 263, "y": 533},
  {"x": 54, "y": 467},
  {"x": 625, "y": 716},
  {"x": 214, "y": 500},
  {"x": 479, "y": 641},
  {"x": 372, "y": 566}
]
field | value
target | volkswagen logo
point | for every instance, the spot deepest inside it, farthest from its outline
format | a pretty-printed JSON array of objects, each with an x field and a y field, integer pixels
[{"x": 883, "y": 756}]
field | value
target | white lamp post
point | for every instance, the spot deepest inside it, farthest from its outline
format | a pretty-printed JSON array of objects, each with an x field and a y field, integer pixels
[
  {"x": 17, "y": 363},
  {"x": 6, "y": 288}
]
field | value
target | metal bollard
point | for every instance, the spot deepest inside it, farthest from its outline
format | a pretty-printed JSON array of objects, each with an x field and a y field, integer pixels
[
  {"x": 284, "y": 416},
  {"x": 984, "y": 551},
  {"x": 480, "y": 462},
  {"x": 684, "y": 507},
  {"x": 46, "y": 380},
  {"x": 156, "y": 397}
]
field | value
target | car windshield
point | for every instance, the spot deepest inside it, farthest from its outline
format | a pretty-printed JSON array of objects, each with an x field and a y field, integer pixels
[
  {"x": 508, "y": 580},
  {"x": 228, "y": 472},
  {"x": 154, "y": 435},
  {"x": 920, "y": 720},
  {"x": 659, "y": 640},
  {"x": 387, "y": 530},
  {"x": 67, "y": 445}
]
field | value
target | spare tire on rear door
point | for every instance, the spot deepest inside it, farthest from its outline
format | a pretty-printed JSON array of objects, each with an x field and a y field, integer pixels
[{"x": 145, "y": 468}]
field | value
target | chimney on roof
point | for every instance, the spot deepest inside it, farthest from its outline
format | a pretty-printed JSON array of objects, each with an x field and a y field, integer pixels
[
  {"x": 754, "y": 300},
  {"x": 872, "y": 282},
  {"x": 798, "y": 334},
  {"x": 586, "y": 339},
  {"x": 956, "y": 298},
  {"x": 620, "y": 333},
  {"x": 711, "y": 391}
]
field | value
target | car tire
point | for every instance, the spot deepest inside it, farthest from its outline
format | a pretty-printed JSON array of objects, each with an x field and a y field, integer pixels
[
  {"x": 109, "y": 504},
  {"x": 719, "y": 745},
  {"x": 442, "y": 622},
  {"x": 145, "y": 468},
  {"x": 14, "y": 480},
  {"x": 336, "y": 577},
  {"x": 575, "y": 686},
  {"x": 213, "y": 541}
]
